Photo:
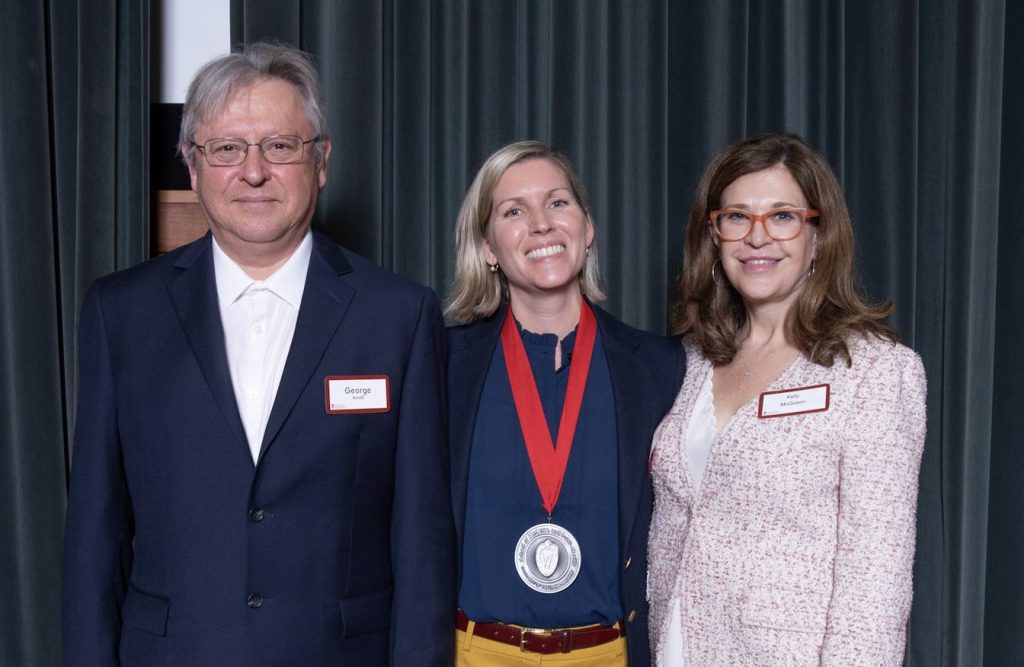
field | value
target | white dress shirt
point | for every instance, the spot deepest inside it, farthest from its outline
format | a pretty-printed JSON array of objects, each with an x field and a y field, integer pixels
[{"x": 259, "y": 318}]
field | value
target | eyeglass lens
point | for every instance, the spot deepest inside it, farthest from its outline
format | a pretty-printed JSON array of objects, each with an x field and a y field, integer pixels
[
  {"x": 278, "y": 150},
  {"x": 781, "y": 224}
]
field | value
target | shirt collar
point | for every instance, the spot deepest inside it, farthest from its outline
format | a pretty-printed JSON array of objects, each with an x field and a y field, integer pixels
[{"x": 287, "y": 282}]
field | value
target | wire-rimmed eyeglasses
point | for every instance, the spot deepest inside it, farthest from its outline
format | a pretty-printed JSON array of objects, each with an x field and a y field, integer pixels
[{"x": 229, "y": 152}]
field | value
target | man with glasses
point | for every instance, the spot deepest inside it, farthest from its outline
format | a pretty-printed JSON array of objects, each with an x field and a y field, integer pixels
[{"x": 260, "y": 463}]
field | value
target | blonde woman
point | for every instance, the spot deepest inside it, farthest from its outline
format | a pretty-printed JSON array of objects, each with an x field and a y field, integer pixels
[{"x": 553, "y": 403}]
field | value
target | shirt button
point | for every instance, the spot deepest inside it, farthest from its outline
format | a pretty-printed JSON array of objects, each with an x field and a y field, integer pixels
[
  {"x": 258, "y": 328},
  {"x": 255, "y": 601},
  {"x": 256, "y": 514},
  {"x": 632, "y": 616},
  {"x": 628, "y": 562}
]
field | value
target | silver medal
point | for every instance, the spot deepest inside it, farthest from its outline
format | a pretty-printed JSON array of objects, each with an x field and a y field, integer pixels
[{"x": 547, "y": 558}]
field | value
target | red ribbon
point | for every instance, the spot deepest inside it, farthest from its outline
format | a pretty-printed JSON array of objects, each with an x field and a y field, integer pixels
[{"x": 548, "y": 460}]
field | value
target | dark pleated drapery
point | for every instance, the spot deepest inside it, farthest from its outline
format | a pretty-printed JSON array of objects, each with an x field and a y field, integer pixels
[
  {"x": 74, "y": 205},
  {"x": 419, "y": 94},
  {"x": 32, "y": 432},
  {"x": 917, "y": 105}
]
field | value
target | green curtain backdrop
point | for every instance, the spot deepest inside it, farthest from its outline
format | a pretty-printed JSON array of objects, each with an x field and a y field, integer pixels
[
  {"x": 1002, "y": 587},
  {"x": 420, "y": 93},
  {"x": 74, "y": 205},
  {"x": 916, "y": 104}
]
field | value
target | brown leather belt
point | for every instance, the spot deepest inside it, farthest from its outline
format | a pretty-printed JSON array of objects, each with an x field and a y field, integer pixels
[{"x": 543, "y": 641}]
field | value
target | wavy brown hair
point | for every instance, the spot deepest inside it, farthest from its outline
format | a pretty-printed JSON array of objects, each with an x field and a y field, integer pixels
[{"x": 828, "y": 310}]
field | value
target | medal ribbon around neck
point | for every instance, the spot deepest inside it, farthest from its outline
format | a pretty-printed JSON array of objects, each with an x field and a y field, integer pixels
[{"x": 548, "y": 460}]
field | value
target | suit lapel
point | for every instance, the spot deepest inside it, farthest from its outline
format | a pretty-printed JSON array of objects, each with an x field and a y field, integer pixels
[
  {"x": 325, "y": 300},
  {"x": 631, "y": 417},
  {"x": 194, "y": 295},
  {"x": 469, "y": 357}
]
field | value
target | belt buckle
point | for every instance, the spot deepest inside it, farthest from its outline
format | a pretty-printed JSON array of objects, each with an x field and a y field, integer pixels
[{"x": 538, "y": 632}]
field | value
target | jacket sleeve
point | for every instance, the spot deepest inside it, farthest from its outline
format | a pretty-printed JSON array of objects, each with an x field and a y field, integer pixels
[
  {"x": 97, "y": 534},
  {"x": 878, "y": 475},
  {"x": 422, "y": 530}
]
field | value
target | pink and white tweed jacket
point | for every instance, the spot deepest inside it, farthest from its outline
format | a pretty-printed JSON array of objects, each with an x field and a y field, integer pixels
[{"x": 799, "y": 548}]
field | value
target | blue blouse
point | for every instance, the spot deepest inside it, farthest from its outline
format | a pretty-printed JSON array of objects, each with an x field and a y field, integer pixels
[{"x": 503, "y": 500}]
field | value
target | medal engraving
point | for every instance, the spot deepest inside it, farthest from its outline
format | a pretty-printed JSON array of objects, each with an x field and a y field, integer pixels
[{"x": 547, "y": 558}]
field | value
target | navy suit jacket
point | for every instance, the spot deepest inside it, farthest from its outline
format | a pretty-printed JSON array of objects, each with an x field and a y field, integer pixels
[
  {"x": 336, "y": 547},
  {"x": 646, "y": 372}
]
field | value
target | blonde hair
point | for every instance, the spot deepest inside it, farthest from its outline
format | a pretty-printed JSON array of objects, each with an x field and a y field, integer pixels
[
  {"x": 476, "y": 292},
  {"x": 828, "y": 308}
]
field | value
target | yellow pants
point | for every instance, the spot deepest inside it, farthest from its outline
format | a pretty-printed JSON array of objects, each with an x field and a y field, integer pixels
[{"x": 472, "y": 651}]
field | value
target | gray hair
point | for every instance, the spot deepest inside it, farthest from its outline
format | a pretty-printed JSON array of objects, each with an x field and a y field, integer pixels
[
  {"x": 219, "y": 79},
  {"x": 476, "y": 292}
]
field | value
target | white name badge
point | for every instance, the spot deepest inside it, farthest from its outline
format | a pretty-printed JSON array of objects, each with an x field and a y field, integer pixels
[
  {"x": 798, "y": 401},
  {"x": 350, "y": 394}
]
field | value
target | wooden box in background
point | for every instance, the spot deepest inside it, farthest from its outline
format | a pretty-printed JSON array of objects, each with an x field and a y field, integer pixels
[{"x": 177, "y": 219}]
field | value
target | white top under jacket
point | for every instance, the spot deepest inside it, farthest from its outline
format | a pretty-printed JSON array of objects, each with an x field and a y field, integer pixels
[{"x": 799, "y": 546}]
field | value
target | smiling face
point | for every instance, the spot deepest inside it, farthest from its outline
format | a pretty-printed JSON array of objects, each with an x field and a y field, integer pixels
[
  {"x": 259, "y": 209},
  {"x": 765, "y": 271},
  {"x": 537, "y": 233}
]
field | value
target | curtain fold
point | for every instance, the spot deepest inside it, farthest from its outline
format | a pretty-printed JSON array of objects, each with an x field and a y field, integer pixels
[
  {"x": 1002, "y": 582},
  {"x": 74, "y": 205},
  {"x": 31, "y": 395},
  {"x": 419, "y": 94},
  {"x": 914, "y": 104}
]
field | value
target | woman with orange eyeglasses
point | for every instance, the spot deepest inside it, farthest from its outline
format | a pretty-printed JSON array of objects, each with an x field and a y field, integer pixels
[{"x": 785, "y": 474}]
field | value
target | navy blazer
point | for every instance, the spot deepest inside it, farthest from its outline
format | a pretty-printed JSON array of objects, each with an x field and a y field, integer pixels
[
  {"x": 646, "y": 372},
  {"x": 336, "y": 547}
]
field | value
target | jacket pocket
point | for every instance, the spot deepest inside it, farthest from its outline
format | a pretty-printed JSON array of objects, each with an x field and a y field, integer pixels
[
  {"x": 784, "y": 609},
  {"x": 146, "y": 612},
  {"x": 366, "y": 613}
]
